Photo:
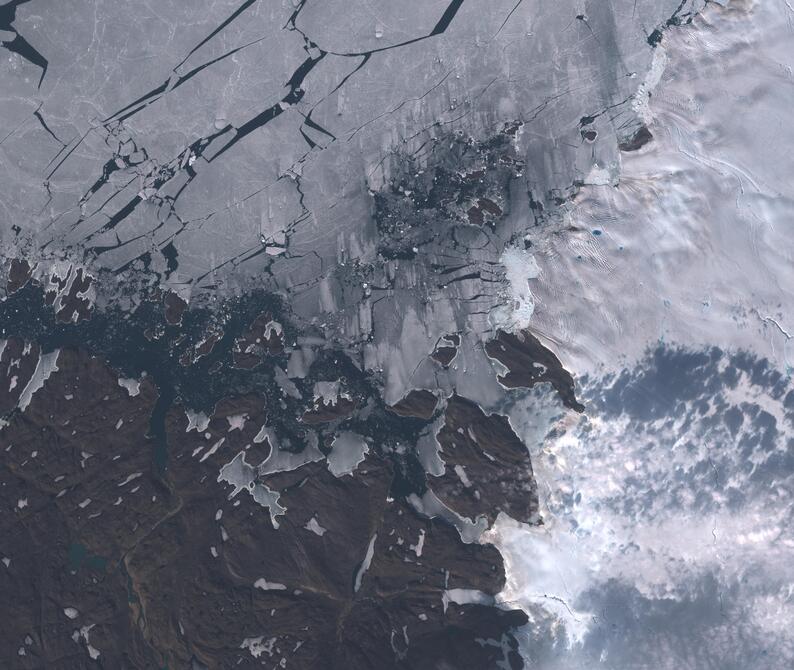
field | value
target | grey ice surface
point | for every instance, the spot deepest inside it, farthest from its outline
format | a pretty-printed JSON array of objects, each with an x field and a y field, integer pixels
[
  {"x": 224, "y": 145},
  {"x": 348, "y": 450},
  {"x": 281, "y": 460},
  {"x": 46, "y": 365},
  {"x": 362, "y": 569},
  {"x": 243, "y": 476}
]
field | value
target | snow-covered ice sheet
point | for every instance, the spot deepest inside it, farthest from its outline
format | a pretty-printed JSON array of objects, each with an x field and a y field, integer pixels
[{"x": 668, "y": 534}]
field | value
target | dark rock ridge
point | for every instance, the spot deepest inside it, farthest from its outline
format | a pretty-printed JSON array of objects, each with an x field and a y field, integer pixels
[
  {"x": 446, "y": 350},
  {"x": 114, "y": 505},
  {"x": 420, "y": 404},
  {"x": 486, "y": 466},
  {"x": 174, "y": 308},
  {"x": 528, "y": 363},
  {"x": 636, "y": 141},
  {"x": 19, "y": 273}
]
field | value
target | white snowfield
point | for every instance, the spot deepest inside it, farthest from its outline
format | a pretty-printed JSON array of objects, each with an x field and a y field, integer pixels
[
  {"x": 668, "y": 529},
  {"x": 695, "y": 243}
]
